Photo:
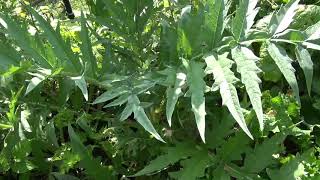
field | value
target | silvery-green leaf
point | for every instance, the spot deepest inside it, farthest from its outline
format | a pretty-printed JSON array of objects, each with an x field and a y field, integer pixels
[
  {"x": 197, "y": 87},
  {"x": 246, "y": 66},
  {"x": 282, "y": 19},
  {"x": 220, "y": 66}
]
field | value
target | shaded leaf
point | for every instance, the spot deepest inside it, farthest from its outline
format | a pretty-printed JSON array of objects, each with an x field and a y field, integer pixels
[{"x": 306, "y": 64}]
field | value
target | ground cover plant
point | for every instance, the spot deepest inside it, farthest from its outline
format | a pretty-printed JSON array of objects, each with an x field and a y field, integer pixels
[{"x": 162, "y": 89}]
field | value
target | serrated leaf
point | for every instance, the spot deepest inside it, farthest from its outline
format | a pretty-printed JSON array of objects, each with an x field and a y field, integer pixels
[
  {"x": 246, "y": 66},
  {"x": 244, "y": 18},
  {"x": 294, "y": 169},
  {"x": 82, "y": 85},
  {"x": 61, "y": 49},
  {"x": 239, "y": 21},
  {"x": 213, "y": 20},
  {"x": 233, "y": 148},
  {"x": 224, "y": 78},
  {"x": 197, "y": 87},
  {"x": 142, "y": 118},
  {"x": 23, "y": 39},
  {"x": 173, "y": 155},
  {"x": 262, "y": 155},
  {"x": 306, "y": 64},
  {"x": 283, "y": 61},
  {"x": 190, "y": 171},
  {"x": 282, "y": 19},
  {"x": 174, "y": 92},
  {"x": 108, "y": 95}
]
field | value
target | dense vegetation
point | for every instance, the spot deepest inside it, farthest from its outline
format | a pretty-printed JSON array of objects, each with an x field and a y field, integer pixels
[{"x": 162, "y": 89}]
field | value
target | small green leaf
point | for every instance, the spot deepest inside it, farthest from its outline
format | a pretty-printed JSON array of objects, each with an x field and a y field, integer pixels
[
  {"x": 283, "y": 61},
  {"x": 306, "y": 64}
]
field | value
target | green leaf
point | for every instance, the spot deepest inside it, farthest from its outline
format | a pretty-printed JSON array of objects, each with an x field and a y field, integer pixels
[
  {"x": 190, "y": 172},
  {"x": 224, "y": 79},
  {"x": 128, "y": 110},
  {"x": 60, "y": 48},
  {"x": 197, "y": 87},
  {"x": 108, "y": 95},
  {"x": 246, "y": 66},
  {"x": 282, "y": 19},
  {"x": 82, "y": 85},
  {"x": 306, "y": 64},
  {"x": 119, "y": 101},
  {"x": 86, "y": 48},
  {"x": 213, "y": 20},
  {"x": 24, "y": 40},
  {"x": 283, "y": 61},
  {"x": 92, "y": 166},
  {"x": 142, "y": 118},
  {"x": 294, "y": 169},
  {"x": 233, "y": 148},
  {"x": 244, "y": 18},
  {"x": 262, "y": 155},
  {"x": 173, "y": 155},
  {"x": 60, "y": 176},
  {"x": 174, "y": 92}
]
